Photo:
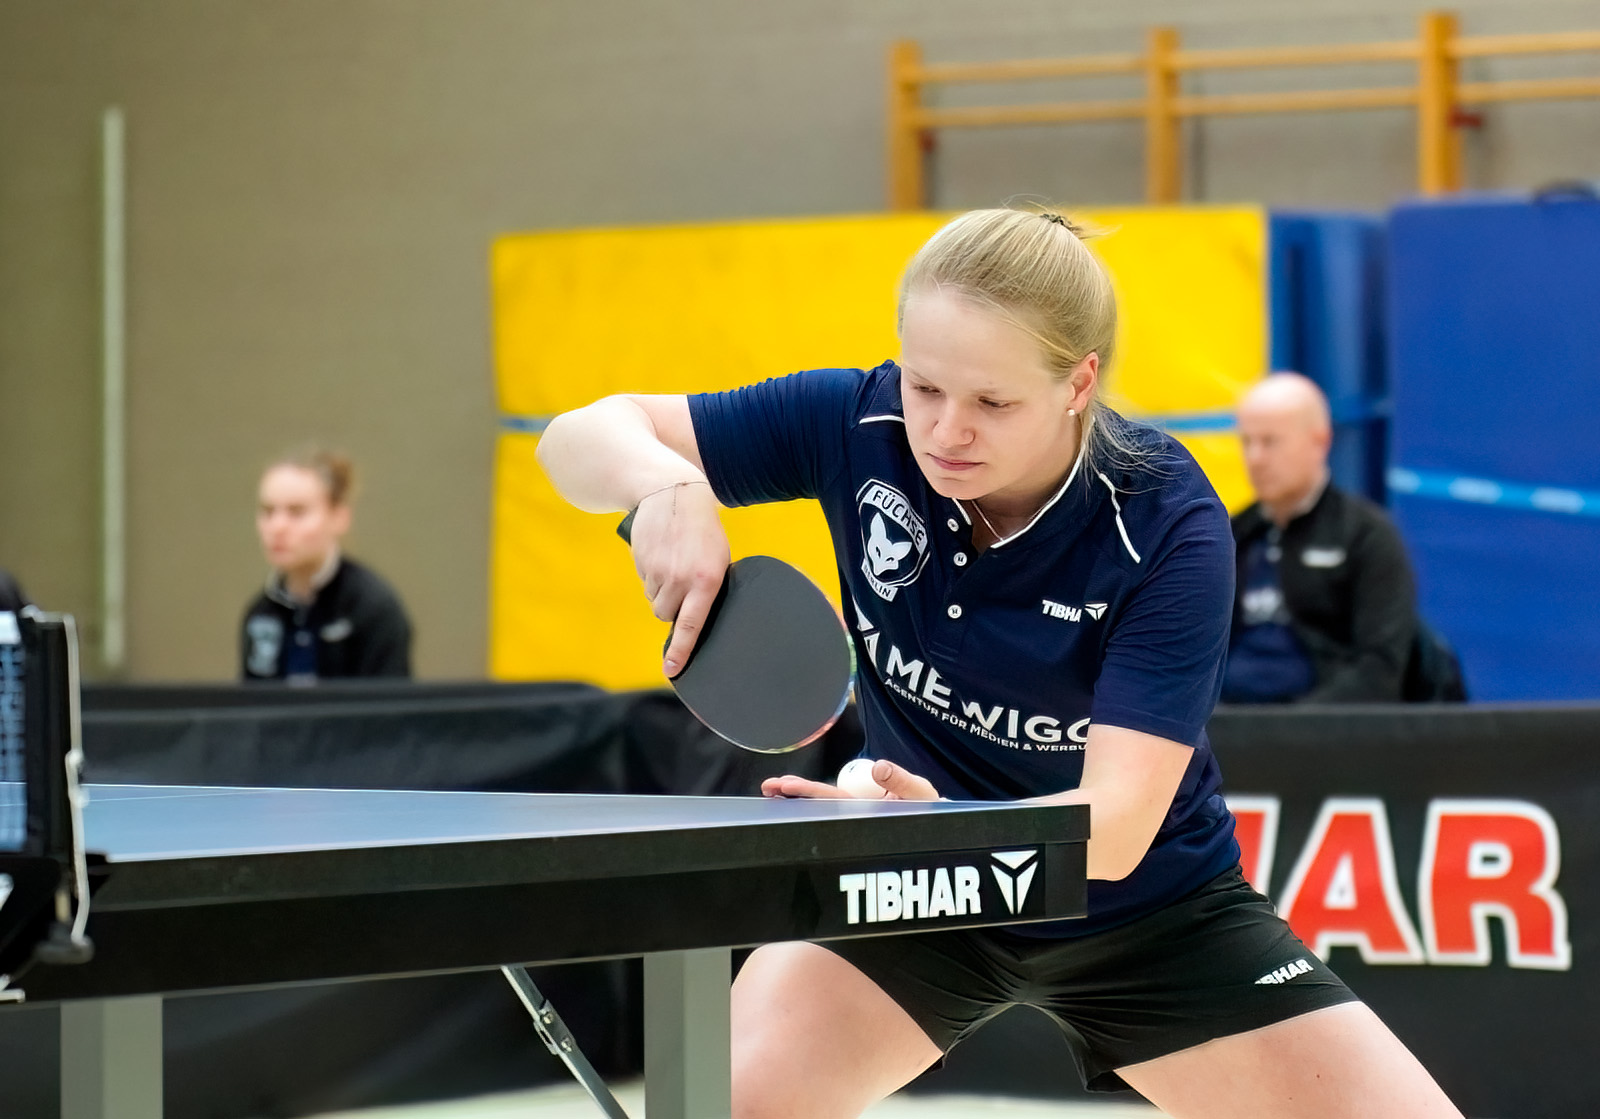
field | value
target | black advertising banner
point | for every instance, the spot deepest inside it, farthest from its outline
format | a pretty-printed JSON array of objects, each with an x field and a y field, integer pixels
[{"x": 1446, "y": 862}]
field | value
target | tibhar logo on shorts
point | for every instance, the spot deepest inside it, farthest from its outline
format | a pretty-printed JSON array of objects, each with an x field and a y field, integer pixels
[
  {"x": 893, "y": 537},
  {"x": 1014, "y": 872},
  {"x": 1286, "y": 972},
  {"x": 5, "y": 889},
  {"x": 910, "y": 895}
]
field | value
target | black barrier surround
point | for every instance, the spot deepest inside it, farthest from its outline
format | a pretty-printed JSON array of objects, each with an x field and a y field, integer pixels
[{"x": 1503, "y": 1038}]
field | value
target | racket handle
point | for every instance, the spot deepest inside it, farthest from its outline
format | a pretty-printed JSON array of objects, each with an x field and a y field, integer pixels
[{"x": 625, "y": 529}]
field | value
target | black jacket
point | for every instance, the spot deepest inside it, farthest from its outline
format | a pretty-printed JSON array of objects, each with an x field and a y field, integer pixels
[
  {"x": 1348, "y": 588},
  {"x": 356, "y": 620},
  {"x": 11, "y": 597}
]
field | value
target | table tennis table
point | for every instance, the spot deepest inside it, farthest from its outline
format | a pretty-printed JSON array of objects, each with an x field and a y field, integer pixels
[{"x": 214, "y": 888}]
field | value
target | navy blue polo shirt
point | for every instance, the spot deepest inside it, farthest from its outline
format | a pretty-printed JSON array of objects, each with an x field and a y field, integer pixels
[
  {"x": 984, "y": 672},
  {"x": 1267, "y": 662}
]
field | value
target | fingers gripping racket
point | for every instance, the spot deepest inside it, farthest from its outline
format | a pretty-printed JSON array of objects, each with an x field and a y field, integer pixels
[{"x": 771, "y": 670}]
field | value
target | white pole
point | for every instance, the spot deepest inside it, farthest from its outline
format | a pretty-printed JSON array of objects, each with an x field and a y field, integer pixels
[{"x": 113, "y": 448}]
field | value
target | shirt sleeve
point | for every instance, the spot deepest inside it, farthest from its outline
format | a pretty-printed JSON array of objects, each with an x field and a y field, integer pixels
[
  {"x": 778, "y": 440},
  {"x": 1162, "y": 670}
]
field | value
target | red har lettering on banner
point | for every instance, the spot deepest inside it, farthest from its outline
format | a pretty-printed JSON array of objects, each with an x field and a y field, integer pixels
[{"x": 1481, "y": 860}]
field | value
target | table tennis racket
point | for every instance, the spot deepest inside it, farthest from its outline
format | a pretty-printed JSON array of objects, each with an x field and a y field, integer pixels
[{"x": 771, "y": 671}]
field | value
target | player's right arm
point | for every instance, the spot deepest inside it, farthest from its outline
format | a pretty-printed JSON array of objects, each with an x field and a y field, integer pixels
[
  {"x": 605, "y": 457},
  {"x": 640, "y": 453}
]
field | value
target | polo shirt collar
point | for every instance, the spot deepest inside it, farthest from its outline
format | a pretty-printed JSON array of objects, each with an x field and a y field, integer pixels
[
  {"x": 330, "y": 567},
  {"x": 1054, "y": 499}
]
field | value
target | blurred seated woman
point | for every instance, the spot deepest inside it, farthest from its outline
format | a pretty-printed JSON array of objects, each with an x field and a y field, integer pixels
[{"x": 321, "y": 615}]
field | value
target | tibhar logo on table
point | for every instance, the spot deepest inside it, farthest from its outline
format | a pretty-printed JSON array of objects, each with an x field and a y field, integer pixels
[{"x": 941, "y": 891}]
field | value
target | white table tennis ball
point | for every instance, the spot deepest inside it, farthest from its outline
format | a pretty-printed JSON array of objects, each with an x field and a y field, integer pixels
[{"x": 856, "y": 779}]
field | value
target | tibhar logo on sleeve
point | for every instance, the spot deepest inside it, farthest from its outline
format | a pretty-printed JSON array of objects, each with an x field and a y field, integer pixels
[
  {"x": 929, "y": 892},
  {"x": 894, "y": 540},
  {"x": 1095, "y": 610}
]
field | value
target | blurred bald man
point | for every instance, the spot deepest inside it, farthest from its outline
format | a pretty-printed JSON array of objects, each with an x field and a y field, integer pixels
[{"x": 1325, "y": 607}]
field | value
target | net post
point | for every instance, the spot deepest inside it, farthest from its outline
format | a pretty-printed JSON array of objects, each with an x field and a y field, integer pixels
[
  {"x": 47, "y": 736},
  {"x": 51, "y": 737}
]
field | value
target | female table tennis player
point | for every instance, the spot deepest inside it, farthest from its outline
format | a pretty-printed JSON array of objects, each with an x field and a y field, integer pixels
[
  {"x": 1040, "y": 596},
  {"x": 321, "y": 613}
]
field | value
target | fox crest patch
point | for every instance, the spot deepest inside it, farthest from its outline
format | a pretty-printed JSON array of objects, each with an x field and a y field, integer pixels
[
  {"x": 894, "y": 539},
  {"x": 882, "y": 553}
]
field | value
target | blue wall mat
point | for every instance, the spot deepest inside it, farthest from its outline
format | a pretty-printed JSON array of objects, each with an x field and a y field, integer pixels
[
  {"x": 1495, "y": 381},
  {"x": 1327, "y": 314}
]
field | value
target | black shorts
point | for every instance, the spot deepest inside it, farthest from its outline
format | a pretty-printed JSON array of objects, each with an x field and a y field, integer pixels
[{"x": 1217, "y": 962}]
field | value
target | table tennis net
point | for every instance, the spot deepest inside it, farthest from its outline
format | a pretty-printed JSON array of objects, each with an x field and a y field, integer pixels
[
  {"x": 38, "y": 719},
  {"x": 13, "y": 760},
  {"x": 44, "y": 882}
]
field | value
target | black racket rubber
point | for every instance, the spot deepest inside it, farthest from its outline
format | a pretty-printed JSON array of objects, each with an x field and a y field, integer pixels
[{"x": 771, "y": 671}]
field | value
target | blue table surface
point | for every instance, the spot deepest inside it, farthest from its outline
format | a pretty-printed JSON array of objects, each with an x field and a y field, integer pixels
[{"x": 156, "y": 822}]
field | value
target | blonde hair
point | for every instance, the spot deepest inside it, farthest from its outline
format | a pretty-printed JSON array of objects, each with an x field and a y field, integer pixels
[
  {"x": 1034, "y": 268},
  {"x": 333, "y": 468}
]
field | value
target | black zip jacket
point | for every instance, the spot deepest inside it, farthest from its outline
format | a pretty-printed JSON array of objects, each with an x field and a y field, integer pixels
[
  {"x": 1348, "y": 588},
  {"x": 356, "y": 620},
  {"x": 11, "y": 597}
]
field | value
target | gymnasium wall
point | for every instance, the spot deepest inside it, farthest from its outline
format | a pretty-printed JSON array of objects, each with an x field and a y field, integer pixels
[{"x": 313, "y": 188}]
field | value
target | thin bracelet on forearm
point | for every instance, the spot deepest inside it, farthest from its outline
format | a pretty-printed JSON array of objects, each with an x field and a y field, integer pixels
[{"x": 673, "y": 486}]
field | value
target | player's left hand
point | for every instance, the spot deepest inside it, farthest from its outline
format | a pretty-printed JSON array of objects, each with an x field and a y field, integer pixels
[{"x": 897, "y": 783}]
